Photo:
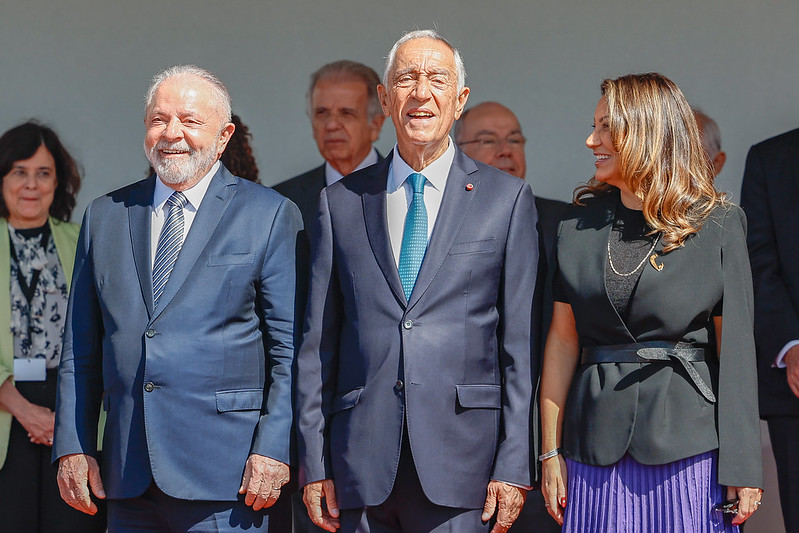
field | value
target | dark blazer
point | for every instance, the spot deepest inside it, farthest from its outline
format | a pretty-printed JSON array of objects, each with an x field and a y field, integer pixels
[
  {"x": 193, "y": 387},
  {"x": 452, "y": 364},
  {"x": 304, "y": 191},
  {"x": 653, "y": 411},
  {"x": 769, "y": 195}
]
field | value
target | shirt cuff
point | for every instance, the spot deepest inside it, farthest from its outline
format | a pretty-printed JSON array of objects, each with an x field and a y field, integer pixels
[
  {"x": 778, "y": 361},
  {"x": 525, "y": 487}
]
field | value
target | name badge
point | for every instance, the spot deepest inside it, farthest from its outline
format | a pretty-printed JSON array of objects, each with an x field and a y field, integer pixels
[{"x": 34, "y": 369}]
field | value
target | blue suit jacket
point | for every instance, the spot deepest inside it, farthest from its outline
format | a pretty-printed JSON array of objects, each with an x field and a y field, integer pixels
[
  {"x": 454, "y": 361},
  {"x": 193, "y": 387}
]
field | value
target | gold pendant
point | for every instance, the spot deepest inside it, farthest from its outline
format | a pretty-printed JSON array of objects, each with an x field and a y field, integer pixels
[{"x": 654, "y": 264}]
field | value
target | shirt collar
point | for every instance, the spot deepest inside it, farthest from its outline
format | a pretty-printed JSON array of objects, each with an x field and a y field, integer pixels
[
  {"x": 332, "y": 175},
  {"x": 194, "y": 195},
  {"x": 436, "y": 172}
]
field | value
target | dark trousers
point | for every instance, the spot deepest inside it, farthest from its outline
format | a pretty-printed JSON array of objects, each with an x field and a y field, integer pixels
[
  {"x": 407, "y": 509},
  {"x": 155, "y": 511},
  {"x": 784, "y": 433},
  {"x": 29, "y": 497},
  {"x": 534, "y": 517}
]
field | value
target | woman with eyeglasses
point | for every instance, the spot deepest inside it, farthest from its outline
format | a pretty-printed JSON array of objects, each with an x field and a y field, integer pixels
[{"x": 648, "y": 393}]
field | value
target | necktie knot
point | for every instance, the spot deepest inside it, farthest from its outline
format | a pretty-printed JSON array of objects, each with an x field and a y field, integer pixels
[
  {"x": 177, "y": 199},
  {"x": 417, "y": 182}
]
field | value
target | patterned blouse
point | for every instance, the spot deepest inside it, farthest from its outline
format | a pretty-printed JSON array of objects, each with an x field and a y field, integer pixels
[{"x": 38, "y": 324}]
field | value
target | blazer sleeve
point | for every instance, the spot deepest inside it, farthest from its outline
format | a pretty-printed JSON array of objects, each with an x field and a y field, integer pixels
[
  {"x": 518, "y": 357},
  {"x": 317, "y": 364},
  {"x": 277, "y": 292},
  {"x": 740, "y": 463},
  {"x": 776, "y": 318},
  {"x": 80, "y": 380}
]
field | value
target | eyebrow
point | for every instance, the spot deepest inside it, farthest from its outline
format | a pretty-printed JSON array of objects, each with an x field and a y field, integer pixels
[{"x": 492, "y": 132}]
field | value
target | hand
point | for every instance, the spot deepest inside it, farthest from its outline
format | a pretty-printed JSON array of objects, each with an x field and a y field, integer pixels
[
  {"x": 75, "y": 472},
  {"x": 39, "y": 422},
  {"x": 791, "y": 360},
  {"x": 507, "y": 501},
  {"x": 747, "y": 497},
  {"x": 263, "y": 477},
  {"x": 553, "y": 486},
  {"x": 312, "y": 496}
]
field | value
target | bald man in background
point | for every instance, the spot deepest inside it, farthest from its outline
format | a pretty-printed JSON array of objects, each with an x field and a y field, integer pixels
[
  {"x": 711, "y": 140},
  {"x": 489, "y": 132}
]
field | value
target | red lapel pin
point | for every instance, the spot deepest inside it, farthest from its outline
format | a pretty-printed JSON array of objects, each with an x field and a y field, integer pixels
[{"x": 469, "y": 186}]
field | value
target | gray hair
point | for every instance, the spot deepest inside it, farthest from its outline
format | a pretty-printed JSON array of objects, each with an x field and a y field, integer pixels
[
  {"x": 425, "y": 34},
  {"x": 219, "y": 93},
  {"x": 711, "y": 134},
  {"x": 345, "y": 69}
]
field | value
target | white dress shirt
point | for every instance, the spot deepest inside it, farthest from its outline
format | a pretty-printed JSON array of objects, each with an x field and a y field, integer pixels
[
  {"x": 162, "y": 193},
  {"x": 399, "y": 193},
  {"x": 332, "y": 175}
]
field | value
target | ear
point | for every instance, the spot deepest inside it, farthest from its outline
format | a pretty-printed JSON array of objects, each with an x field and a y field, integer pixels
[
  {"x": 382, "y": 95},
  {"x": 375, "y": 125},
  {"x": 462, "y": 97},
  {"x": 718, "y": 162},
  {"x": 224, "y": 137}
]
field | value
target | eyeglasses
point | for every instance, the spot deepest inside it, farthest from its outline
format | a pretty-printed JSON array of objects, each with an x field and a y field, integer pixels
[{"x": 492, "y": 143}]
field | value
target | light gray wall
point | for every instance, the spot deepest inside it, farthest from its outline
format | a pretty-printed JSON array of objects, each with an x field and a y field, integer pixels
[{"x": 83, "y": 66}]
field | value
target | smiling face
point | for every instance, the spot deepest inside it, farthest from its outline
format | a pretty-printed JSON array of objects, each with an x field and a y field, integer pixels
[
  {"x": 342, "y": 128},
  {"x": 29, "y": 189},
  {"x": 422, "y": 99},
  {"x": 601, "y": 144},
  {"x": 185, "y": 132},
  {"x": 491, "y": 133}
]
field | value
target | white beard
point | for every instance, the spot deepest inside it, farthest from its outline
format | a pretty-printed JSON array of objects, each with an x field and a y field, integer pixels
[{"x": 175, "y": 172}]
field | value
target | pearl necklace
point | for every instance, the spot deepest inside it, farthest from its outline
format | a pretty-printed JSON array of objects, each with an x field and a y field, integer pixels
[{"x": 633, "y": 271}]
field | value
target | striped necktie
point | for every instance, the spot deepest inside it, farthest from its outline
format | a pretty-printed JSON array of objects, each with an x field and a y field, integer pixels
[
  {"x": 414, "y": 236},
  {"x": 169, "y": 243}
]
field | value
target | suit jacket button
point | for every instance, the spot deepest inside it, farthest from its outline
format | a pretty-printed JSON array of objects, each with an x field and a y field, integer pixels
[
  {"x": 150, "y": 333},
  {"x": 399, "y": 385},
  {"x": 408, "y": 324},
  {"x": 149, "y": 386}
]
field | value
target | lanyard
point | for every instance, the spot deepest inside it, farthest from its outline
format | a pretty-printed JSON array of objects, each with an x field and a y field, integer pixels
[{"x": 28, "y": 290}]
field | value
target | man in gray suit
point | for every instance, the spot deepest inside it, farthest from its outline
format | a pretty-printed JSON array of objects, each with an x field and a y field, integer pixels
[
  {"x": 181, "y": 319},
  {"x": 414, "y": 376},
  {"x": 346, "y": 119}
]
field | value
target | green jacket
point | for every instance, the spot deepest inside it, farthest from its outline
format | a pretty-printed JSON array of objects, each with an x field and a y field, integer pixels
[{"x": 65, "y": 236}]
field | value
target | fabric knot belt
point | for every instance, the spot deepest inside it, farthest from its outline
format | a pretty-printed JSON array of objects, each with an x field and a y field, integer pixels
[{"x": 648, "y": 352}]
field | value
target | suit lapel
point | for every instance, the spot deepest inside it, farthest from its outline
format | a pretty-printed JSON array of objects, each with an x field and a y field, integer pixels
[
  {"x": 374, "y": 211},
  {"x": 139, "y": 219},
  {"x": 218, "y": 196},
  {"x": 454, "y": 206}
]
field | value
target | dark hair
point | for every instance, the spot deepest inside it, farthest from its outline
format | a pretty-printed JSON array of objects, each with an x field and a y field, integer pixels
[
  {"x": 237, "y": 157},
  {"x": 20, "y": 143}
]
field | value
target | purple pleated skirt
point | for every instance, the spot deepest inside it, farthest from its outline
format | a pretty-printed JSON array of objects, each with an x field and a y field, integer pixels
[{"x": 630, "y": 497}]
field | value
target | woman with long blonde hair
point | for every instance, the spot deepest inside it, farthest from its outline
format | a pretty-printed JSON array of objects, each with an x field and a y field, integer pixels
[{"x": 648, "y": 405}]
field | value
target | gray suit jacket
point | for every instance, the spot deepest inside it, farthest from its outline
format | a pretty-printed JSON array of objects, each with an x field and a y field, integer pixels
[
  {"x": 452, "y": 364},
  {"x": 192, "y": 387}
]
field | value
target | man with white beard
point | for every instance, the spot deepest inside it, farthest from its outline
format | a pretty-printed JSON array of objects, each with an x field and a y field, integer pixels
[{"x": 181, "y": 320}]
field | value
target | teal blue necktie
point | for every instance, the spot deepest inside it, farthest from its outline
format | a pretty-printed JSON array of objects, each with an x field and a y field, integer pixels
[{"x": 414, "y": 236}]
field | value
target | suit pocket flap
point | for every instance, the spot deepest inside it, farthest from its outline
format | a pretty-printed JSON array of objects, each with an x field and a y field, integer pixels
[
  {"x": 479, "y": 396},
  {"x": 473, "y": 247},
  {"x": 239, "y": 400},
  {"x": 347, "y": 400},
  {"x": 230, "y": 259}
]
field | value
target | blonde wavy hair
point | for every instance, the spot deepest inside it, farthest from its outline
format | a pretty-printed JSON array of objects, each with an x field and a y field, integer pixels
[{"x": 661, "y": 158}]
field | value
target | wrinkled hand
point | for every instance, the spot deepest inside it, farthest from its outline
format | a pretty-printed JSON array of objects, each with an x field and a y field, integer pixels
[
  {"x": 39, "y": 422},
  {"x": 747, "y": 497},
  {"x": 312, "y": 496},
  {"x": 262, "y": 480},
  {"x": 791, "y": 360},
  {"x": 76, "y": 473},
  {"x": 553, "y": 486},
  {"x": 507, "y": 501}
]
